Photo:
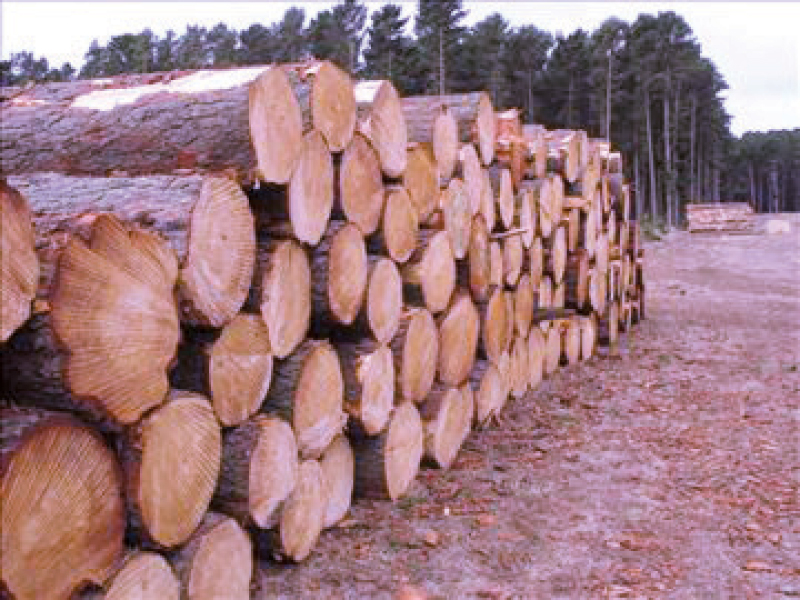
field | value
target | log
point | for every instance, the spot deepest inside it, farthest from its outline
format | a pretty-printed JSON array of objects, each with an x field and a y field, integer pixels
[
  {"x": 552, "y": 349},
  {"x": 475, "y": 273},
  {"x": 421, "y": 179},
  {"x": 361, "y": 192},
  {"x": 416, "y": 354},
  {"x": 557, "y": 254},
  {"x": 472, "y": 175},
  {"x": 536, "y": 261},
  {"x": 601, "y": 254},
  {"x": 491, "y": 391},
  {"x": 233, "y": 369},
  {"x": 143, "y": 575},
  {"x": 169, "y": 489},
  {"x": 384, "y": 304},
  {"x": 474, "y": 115},
  {"x": 400, "y": 225},
  {"x": 307, "y": 390},
  {"x": 341, "y": 269},
  {"x": 302, "y": 516},
  {"x": 496, "y": 324},
  {"x": 369, "y": 383},
  {"x": 429, "y": 276},
  {"x": 285, "y": 299},
  {"x": 455, "y": 206},
  {"x": 571, "y": 342},
  {"x": 524, "y": 299},
  {"x": 503, "y": 190},
  {"x": 588, "y": 336},
  {"x": 325, "y": 94},
  {"x": 559, "y": 295},
  {"x": 576, "y": 281},
  {"x": 66, "y": 358},
  {"x": 519, "y": 367},
  {"x": 447, "y": 420},
  {"x": 206, "y": 221},
  {"x": 536, "y": 354},
  {"x": 63, "y": 518},
  {"x": 431, "y": 124},
  {"x": 513, "y": 259},
  {"x": 597, "y": 291},
  {"x": 386, "y": 464},
  {"x": 458, "y": 340},
  {"x": 338, "y": 475},
  {"x": 544, "y": 298},
  {"x": 380, "y": 118},
  {"x": 217, "y": 562},
  {"x": 536, "y": 141},
  {"x": 252, "y": 126},
  {"x": 259, "y": 471},
  {"x": 543, "y": 195},
  {"x": 573, "y": 229},
  {"x": 526, "y": 216},
  {"x": 19, "y": 266},
  {"x": 588, "y": 238},
  {"x": 496, "y": 266},
  {"x": 310, "y": 190},
  {"x": 488, "y": 203}
]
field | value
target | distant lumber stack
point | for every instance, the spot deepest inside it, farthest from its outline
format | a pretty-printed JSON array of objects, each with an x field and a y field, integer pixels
[
  {"x": 726, "y": 216},
  {"x": 253, "y": 295}
]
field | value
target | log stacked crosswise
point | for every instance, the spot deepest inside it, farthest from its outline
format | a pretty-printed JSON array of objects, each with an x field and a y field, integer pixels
[{"x": 251, "y": 296}]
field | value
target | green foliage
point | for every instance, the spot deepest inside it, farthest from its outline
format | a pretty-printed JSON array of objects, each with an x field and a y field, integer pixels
[
  {"x": 439, "y": 36},
  {"x": 390, "y": 53}
]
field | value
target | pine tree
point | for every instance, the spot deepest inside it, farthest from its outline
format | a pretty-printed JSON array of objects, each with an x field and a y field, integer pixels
[
  {"x": 390, "y": 53},
  {"x": 439, "y": 36}
]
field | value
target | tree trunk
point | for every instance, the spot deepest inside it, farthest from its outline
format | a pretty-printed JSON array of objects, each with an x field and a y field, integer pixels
[
  {"x": 429, "y": 276},
  {"x": 415, "y": 348},
  {"x": 473, "y": 113},
  {"x": 251, "y": 126},
  {"x": 259, "y": 471},
  {"x": 653, "y": 188},
  {"x": 338, "y": 476},
  {"x": 361, "y": 191},
  {"x": 62, "y": 515},
  {"x": 19, "y": 269},
  {"x": 447, "y": 420},
  {"x": 70, "y": 346},
  {"x": 369, "y": 383},
  {"x": 307, "y": 390},
  {"x": 169, "y": 489},
  {"x": 386, "y": 464},
  {"x": 217, "y": 562},
  {"x": 458, "y": 340},
  {"x": 380, "y": 117},
  {"x": 233, "y": 369},
  {"x": 205, "y": 220}
]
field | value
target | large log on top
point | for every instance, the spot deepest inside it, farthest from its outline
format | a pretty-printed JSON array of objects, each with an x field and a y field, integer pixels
[
  {"x": 307, "y": 390},
  {"x": 245, "y": 120},
  {"x": 259, "y": 471},
  {"x": 169, "y": 488},
  {"x": 217, "y": 562},
  {"x": 233, "y": 368},
  {"x": 380, "y": 116},
  {"x": 19, "y": 266},
  {"x": 386, "y": 464},
  {"x": 206, "y": 221},
  {"x": 62, "y": 519},
  {"x": 473, "y": 113},
  {"x": 96, "y": 348}
]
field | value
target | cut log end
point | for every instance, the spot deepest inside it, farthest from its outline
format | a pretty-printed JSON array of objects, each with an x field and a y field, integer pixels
[
  {"x": 62, "y": 514},
  {"x": 310, "y": 190},
  {"x": 303, "y": 515},
  {"x": 416, "y": 351},
  {"x": 286, "y": 297},
  {"x": 421, "y": 179},
  {"x": 19, "y": 268},
  {"x": 361, "y": 185},
  {"x": 384, "y": 300},
  {"x": 369, "y": 377},
  {"x": 338, "y": 473},
  {"x": 434, "y": 273},
  {"x": 347, "y": 273},
  {"x": 385, "y": 123},
  {"x": 445, "y": 143},
  {"x": 172, "y": 488},
  {"x": 144, "y": 575},
  {"x": 491, "y": 392},
  {"x": 447, "y": 416},
  {"x": 458, "y": 340},
  {"x": 400, "y": 225},
  {"x": 333, "y": 105}
]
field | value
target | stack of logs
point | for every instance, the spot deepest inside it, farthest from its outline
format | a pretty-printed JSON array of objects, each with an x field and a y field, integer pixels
[
  {"x": 728, "y": 216},
  {"x": 234, "y": 300}
]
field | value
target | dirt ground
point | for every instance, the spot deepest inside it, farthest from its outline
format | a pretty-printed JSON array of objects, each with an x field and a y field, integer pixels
[{"x": 670, "y": 471}]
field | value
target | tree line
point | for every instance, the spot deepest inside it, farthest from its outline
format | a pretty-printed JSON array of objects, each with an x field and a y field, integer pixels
[{"x": 644, "y": 85}]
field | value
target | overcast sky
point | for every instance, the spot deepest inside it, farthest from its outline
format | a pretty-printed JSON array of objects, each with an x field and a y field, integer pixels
[{"x": 755, "y": 45}]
